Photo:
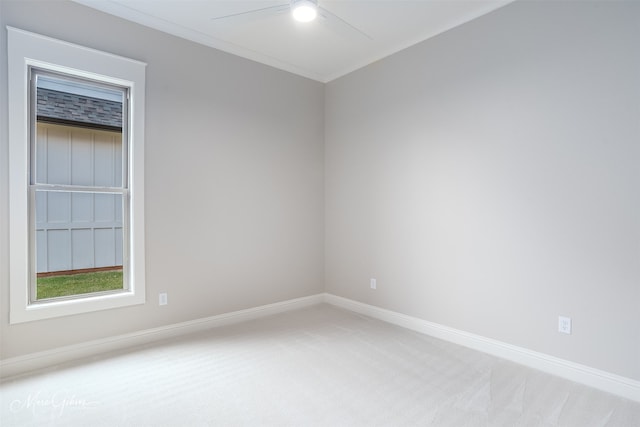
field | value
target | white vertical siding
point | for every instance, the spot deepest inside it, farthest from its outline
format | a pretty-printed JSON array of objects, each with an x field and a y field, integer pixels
[{"x": 78, "y": 230}]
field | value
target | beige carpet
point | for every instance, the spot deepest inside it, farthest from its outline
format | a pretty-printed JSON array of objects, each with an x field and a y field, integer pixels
[{"x": 321, "y": 366}]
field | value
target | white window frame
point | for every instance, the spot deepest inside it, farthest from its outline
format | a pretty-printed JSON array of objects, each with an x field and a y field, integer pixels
[{"x": 27, "y": 50}]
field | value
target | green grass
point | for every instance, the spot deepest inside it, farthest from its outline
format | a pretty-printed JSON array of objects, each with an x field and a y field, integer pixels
[{"x": 83, "y": 283}]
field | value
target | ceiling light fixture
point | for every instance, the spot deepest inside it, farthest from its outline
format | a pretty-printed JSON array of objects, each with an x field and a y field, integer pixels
[{"x": 304, "y": 10}]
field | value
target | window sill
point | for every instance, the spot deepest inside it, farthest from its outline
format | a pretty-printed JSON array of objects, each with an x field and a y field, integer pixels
[{"x": 59, "y": 308}]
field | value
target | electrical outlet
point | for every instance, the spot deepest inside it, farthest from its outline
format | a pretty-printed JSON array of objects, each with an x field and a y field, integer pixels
[
  {"x": 373, "y": 284},
  {"x": 162, "y": 299},
  {"x": 564, "y": 325}
]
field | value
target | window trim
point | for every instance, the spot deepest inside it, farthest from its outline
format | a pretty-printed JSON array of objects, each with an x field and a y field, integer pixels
[{"x": 26, "y": 50}]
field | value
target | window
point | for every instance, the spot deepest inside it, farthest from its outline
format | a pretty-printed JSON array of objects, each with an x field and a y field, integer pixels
[
  {"x": 76, "y": 178},
  {"x": 78, "y": 190}
]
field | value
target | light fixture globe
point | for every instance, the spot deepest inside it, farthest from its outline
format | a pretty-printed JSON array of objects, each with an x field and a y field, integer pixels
[{"x": 304, "y": 10}]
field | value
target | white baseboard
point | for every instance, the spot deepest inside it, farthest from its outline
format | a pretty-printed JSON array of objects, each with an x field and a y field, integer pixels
[
  {"x": 605, "y": 381},
  {"x": 50, "y": 358},
  {"x": 612, "y": 383}
]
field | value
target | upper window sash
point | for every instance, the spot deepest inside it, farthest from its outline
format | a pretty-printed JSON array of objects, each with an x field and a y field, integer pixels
[{"x": 58, "y": 81}]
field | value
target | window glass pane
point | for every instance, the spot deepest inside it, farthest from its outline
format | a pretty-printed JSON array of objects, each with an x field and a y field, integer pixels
[
  {"x": 78, "y": 132},
  {"x": 77, "y": 141},
  {"x": 81, "y": 155},
  {"x": 64, "y": 285},
  {"x": 79, "y": 242},
  {"x": 104, "y": 171},
  {"x": 54, "y": 150},
  {"x": 82, "y": 208}
]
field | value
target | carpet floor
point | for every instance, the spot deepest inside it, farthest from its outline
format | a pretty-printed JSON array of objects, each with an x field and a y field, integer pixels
[{"x": 320, "y": 366}]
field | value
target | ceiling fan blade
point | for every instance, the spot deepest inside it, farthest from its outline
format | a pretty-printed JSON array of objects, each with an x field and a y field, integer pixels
[
  {"x": 339, "y": 25},
  {"x": 252, "y": 15}
]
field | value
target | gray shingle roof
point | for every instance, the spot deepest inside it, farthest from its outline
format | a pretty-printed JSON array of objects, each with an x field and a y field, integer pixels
[{"x": 68, "y": 107}]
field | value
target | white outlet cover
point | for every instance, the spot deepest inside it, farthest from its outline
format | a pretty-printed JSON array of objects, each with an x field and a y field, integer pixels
[
  {"x": 162, "y": 299},
  {"x": 564, "y": 325},
  {"x": 373, "y": 284}
]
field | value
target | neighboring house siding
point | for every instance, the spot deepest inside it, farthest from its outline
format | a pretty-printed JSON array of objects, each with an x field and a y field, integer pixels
[{"x": 78, "y": 230}]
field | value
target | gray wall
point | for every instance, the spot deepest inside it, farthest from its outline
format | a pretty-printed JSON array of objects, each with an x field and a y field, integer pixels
[
  {"x": 234, "y": 179},
  {"x": 489, "y": 179}
]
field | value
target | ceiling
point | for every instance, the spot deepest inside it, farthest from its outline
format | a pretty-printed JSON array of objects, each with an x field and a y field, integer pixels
[{"x": 315, "y": 50}]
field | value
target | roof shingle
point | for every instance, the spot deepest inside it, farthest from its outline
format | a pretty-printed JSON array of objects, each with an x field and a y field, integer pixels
[{"x": 63, "y": 106}]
